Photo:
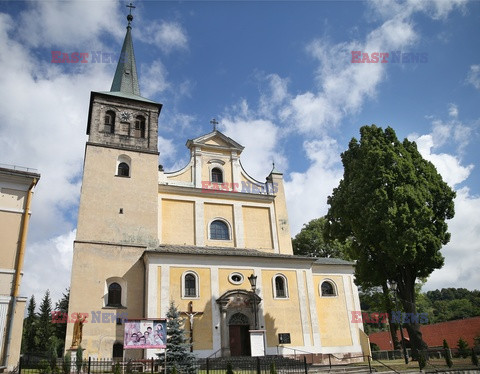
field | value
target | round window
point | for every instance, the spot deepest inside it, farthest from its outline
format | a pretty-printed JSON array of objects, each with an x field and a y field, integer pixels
[{"x": 236, "y": 278}]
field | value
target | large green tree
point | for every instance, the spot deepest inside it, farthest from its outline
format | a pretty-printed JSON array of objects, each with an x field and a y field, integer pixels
[
  {"x": 45, "y": 328},
  {"x": 311, "y": 241},
  {"x": 30, "y": 325},
  {"x": 392, "y": 205}
]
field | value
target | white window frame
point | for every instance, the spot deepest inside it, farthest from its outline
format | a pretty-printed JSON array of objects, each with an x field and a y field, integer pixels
[
  {"x": 123, "y": 283},
  {"x": 126, "y": 159},
  {"x": 197, "y": 283},
  {"x": 274, "y": 288},
  {"x": 334, "y": 285}
]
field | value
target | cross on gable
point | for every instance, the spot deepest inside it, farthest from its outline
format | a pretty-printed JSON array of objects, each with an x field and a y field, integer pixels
[{"x": 214, "y": 122}]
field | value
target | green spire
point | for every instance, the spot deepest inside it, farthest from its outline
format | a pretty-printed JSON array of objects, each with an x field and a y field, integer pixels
[{"x": 126, "y": 79}]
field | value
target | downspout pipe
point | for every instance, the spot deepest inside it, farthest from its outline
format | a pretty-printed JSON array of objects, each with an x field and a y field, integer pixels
[{"x": 18, "y": 269}]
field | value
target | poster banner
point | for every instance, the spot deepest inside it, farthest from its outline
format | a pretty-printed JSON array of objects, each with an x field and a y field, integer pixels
[{"x": 145, "y": 334}]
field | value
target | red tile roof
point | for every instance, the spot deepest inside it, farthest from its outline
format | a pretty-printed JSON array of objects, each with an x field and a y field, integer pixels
[{"x": 434, "y": 334}]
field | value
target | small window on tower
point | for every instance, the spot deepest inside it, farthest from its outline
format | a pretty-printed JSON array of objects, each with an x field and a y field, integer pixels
[
  {"x": 110, "y": 122},
  {"x": 139, "y": 127},
  {"x": 123, "y": 170},
  {"x": 217, "y": 175},
  {"x": 114, "y": 295}
]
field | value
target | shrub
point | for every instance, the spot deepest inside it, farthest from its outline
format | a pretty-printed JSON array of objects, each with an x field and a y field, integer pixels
[
  {"x": 117, "y": 369},
  {"x": 44, "y": 367},
  {"x": 273, "y": 369},
  {"x": 421, "y": 360},
  {"x": 462, "y": 348},
  {"x": 229, "y": 368},
  {"x": 448, "y": 355},
  {"x": 67, "y": 363},
  {"x": 79, "y": 358},
  {"x": 474, "y": 358}
]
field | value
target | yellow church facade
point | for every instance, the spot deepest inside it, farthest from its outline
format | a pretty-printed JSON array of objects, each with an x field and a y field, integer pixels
[{"x": 147, "y": 237}]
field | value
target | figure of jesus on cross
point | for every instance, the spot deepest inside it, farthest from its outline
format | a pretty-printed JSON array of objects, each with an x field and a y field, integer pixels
[{"x": 191, "y": 314}]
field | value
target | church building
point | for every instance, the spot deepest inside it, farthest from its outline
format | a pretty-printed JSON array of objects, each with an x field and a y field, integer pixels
[{"x": 197, "y": 237}]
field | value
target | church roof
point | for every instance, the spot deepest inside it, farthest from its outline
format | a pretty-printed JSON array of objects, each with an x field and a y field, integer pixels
[
  {"x": 225, "y": 141},
  {"x": 126, "y": 79},
  {"x": 229, "y": 251}
]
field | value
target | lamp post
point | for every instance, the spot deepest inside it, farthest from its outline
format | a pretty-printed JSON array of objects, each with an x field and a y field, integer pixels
[
  {"x": 394, "y": 286},
  {"x": 253, "y": 282}
]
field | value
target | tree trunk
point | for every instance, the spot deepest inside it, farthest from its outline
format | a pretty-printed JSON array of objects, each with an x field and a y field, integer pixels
[
  {"x": 407, "y": 297},
  {"x": 391, "y": 325}
]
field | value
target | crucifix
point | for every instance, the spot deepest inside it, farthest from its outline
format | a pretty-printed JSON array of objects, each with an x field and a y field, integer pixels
[
  {"x": 214, "y": 122},
  {"x": 190, "y": 314}
]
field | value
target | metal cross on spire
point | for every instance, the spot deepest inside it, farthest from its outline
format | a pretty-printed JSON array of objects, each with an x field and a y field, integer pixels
[
  {"x": 130, "y": 17},
  {"x": 214, "y": 122}
]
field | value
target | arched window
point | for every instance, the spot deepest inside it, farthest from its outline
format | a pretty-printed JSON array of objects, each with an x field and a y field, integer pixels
[
  {"x": 110, "y": 122},
  {"x": 219, "y": 230},
  {"x": 328, "y": 289},
  {"x": 280, "y": 287},
  {"x": 139, "y": 127},
  {"x": 217, "y": 175},
  {"x": 190, "y": 284},
  {"x": 123, "y": 166},
  {"x": 114, "y": 294},
  {"x": 123, "y": 170},
  {"x": 117, "y": 350}
]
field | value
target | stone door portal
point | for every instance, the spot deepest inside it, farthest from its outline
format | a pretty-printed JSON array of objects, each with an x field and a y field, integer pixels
[{"x": 239, "y": 335}]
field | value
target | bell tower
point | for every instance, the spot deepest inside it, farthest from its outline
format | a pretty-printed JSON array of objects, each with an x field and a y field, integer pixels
[{"x": 118, "y": 202}]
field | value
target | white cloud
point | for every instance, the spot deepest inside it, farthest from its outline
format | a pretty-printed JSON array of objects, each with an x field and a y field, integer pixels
[
  {"x": 48, "y": 264},
  {"x": 69, "y": 24},
  {"x": 474, "y": 76},
  {"x": 307, "y": 192},
  {"x": 447, "y": 165},
  {"x": 461, "y": 254},
  {"x": 167, "y": 36},
  {"x": 453, "y": 110},
  {"x": 153, "y": 79},
  {"x": 261, "y": 141}
]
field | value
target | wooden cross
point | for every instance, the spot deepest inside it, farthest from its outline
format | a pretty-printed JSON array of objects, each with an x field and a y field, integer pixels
[
  {"x": 214, "y": 122},
  {"x": 190, "y": 314}
]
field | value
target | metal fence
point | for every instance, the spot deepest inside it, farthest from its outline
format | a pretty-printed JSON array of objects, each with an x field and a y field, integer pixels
[{"x": 239, "y": 365}]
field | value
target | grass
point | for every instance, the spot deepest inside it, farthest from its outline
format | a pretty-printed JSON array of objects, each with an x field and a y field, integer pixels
[{"x": 432, "y": 364}]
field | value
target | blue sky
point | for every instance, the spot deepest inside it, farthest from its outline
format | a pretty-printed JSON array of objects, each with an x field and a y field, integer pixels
[{"x": 279, "y": 78}]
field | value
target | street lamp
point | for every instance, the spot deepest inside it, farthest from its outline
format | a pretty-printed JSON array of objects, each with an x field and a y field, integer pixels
[
  {"x": 394, "y": 287},
  {"x": 253, "y": 282}
]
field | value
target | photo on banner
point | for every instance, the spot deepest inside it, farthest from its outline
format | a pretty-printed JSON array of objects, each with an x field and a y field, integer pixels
[{"x": 145, "y": 334}]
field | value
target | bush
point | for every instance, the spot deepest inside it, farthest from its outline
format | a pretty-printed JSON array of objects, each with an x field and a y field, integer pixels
[
  {"x": 67, "y": 363},
  {"x": 44, "y": 367},
  {"x": 229, "y": 368},
  {"x": 117, "y": 369},
  {"x": 273, "y": 369},
  {"x": 421, "y": 360},
  {"x": 79, "y": 358},
  {"x": 448, "y": 355},
  {"x": 462, "y": 348},
  {"x": 474, "y": 358}
]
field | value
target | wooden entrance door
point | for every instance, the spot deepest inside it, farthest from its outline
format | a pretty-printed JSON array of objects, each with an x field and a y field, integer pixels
[{"x": 239, "y": 340}]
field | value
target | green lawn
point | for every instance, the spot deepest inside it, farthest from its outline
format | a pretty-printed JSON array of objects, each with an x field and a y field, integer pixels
[{"x": 432, "y": 364}]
